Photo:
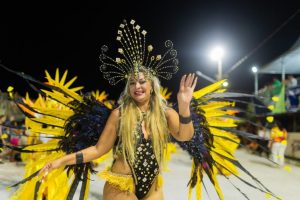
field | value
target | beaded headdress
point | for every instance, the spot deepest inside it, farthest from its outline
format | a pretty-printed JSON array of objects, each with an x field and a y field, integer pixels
[{"x": 135, "y": 53}]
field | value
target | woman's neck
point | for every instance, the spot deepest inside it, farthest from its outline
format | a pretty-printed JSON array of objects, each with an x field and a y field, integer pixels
[{"x": 143, "y": 107}]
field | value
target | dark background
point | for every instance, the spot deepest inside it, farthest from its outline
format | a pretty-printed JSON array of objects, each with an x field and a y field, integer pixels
[{"x": 35, "y": 37}]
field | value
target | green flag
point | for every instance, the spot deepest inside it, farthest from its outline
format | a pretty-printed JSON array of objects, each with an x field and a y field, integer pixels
[{"x": 280, "y": 104}]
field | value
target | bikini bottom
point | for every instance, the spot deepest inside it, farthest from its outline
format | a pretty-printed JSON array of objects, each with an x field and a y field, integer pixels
[{"x": 124, "y": 182}]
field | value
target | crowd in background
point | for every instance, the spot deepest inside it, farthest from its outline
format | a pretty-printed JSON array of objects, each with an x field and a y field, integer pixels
[
  {"x": 274, "y": 88},
  {"x": 13, "y": 134},
  {"x": 272, "y": 142}
]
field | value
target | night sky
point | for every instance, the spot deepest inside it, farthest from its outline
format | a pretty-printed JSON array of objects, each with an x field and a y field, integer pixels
[{"x": 35, "y": 37}]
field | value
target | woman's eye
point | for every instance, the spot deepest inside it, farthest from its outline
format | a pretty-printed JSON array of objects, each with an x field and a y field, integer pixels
[
  {"x": 131, "y": 83},
  {"x": 142, "y": 82}
]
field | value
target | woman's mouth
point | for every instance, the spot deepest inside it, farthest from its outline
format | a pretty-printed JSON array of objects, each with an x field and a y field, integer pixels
[{"x": 138, "y": 93}]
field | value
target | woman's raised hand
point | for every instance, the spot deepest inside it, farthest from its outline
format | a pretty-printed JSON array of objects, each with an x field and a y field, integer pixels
[{"x": 186, "y": 89}]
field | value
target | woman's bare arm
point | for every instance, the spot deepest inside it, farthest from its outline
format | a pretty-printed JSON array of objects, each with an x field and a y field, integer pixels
[
  {"x": 104, "y": 144},
  {"x": 183, "y": 131}
]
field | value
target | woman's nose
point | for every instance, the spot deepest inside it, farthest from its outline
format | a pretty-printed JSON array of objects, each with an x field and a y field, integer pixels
[{"x": 137, "y": 85}]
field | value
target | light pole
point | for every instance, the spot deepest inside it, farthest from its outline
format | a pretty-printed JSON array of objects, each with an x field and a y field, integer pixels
[
  {"x": 255, "y": 70},
  {"x": 217, "y": 55}
]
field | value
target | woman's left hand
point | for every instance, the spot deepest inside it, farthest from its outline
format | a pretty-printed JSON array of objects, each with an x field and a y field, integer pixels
[{"x": 186, "y": 89}]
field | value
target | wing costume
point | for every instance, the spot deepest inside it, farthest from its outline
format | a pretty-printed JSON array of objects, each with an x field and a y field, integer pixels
[{"x": 215, "y": 140}]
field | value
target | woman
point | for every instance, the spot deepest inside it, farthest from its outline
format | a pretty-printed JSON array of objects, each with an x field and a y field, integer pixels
[
  {"x": 137, "y": 130},
  {"x": 141, "y": 120},
  {"x": 278, "y": 143}
]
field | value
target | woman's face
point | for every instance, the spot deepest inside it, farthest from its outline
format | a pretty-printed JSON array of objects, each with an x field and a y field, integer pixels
[{"x": 140, "y": 88}]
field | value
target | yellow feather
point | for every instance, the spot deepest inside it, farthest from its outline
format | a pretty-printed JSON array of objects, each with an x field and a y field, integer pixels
[
  {"x": 68, "y": 84},
  {"x": 50, "y": 120},
  {"x": 48, "y": 77},
  {"x": 190, "y": 188},
  {"x": 223, "y": 122},
  {"x": 75, "y": 89},
  {"x": 215, "y": 113},
  {"x": 217, "y": 187},
  {"x": 63, "y": 79},
  {"x": 48, "y": 131},
  {"x": 200, "y": 93},
  {"x": 65, "y": 114},
  {"x": 215, "y": 105},
  {"x": 53, "y": 144},
  {"x": 57, "y": 75},
  {"x": 198, "y": 187},
  {"x": 58, "y": 96}
]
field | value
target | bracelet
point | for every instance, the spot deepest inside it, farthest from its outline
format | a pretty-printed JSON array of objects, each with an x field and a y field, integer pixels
[
  {"x": 79, "y": 157},
  {"x": 185, "y": 120}
]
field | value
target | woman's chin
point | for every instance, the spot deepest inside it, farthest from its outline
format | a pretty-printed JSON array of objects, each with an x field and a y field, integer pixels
[{"x": 140, "y": 99}]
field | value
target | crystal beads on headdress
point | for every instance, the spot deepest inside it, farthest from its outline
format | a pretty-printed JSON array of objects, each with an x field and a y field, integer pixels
[{"x": 134, "y": 53}]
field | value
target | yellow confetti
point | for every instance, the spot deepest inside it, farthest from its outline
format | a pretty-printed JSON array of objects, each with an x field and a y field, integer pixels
[
  {"x": 270, "y": 119},
  {"x": 287, "y": 168},
  {"x": 4, "y": 136},
  {"x": 271, "y": 107},
  {"x": 1, "y": 149},
  {"x": 10, "y": 88},
  {"x": 275, "y": 98},
  {"x": 268, "y": 196}
]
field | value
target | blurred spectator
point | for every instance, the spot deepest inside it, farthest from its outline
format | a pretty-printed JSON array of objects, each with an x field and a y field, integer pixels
[
  {"x": 292, "y": 93},
  {"x": 10, "y": 135},
  {"x": 2, "y": 142},
  {"x": 251, "y": 143},
  {"x": 264, "y": 133},
  {"x": 291, "y": 82},
  {"x": 243, "y": 128},
  {"x": 5, "y": 138},
  {"x": 276, "y": 86},
  {"x": 278, "y": 143}
]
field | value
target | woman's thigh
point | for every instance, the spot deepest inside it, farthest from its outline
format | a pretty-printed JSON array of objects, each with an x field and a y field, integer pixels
[{"x": 112, "y": 193}]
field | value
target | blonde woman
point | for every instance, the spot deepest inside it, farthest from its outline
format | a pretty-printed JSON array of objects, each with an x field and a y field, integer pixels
[
  {"x": 141, "y": 125},
  {"x": 137, "y": 130}
]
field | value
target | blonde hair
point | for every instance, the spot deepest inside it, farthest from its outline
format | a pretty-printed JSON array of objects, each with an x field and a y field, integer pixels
[{"x": 155, "y": 122}]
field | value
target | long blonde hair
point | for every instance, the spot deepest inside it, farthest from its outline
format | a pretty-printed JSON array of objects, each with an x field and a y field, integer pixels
[{"x": 155, "y": 122}]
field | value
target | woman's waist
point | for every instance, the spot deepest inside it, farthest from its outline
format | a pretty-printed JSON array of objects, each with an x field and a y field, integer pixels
[{"x": 120, "y": 166}]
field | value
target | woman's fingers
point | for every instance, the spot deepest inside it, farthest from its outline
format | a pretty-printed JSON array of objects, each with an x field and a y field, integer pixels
[
  {"x": 195, "y": 83},
  {"x": 45, "y": 170},
  {"x": 182, "y": 82},
  {"x": 188, "y": 81},
  {"x": 42, "y": 170},
  {"x": 192, "y": 80},
  {"x": 44, "y": 176}
]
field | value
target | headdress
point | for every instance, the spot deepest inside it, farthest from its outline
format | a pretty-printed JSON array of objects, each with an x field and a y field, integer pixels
[{"x": 135, "y": 53}]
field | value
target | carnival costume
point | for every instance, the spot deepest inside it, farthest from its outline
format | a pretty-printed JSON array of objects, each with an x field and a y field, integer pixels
[
  {"x": 83, "y": 118},
  {"x": 278, "y": 143}
]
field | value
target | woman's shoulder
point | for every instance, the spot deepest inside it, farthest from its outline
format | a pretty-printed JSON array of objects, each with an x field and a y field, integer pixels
[
  {"x": 115, "y": 112},
  {"x": 113, "y": 117}
]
